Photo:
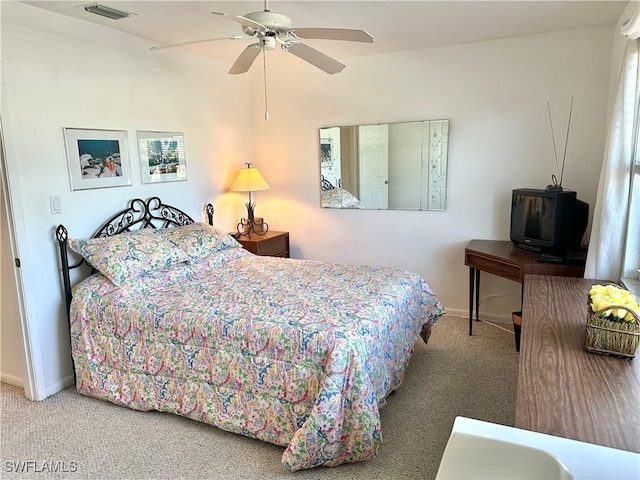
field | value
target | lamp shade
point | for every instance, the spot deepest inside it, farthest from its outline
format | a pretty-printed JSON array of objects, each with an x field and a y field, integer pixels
[{"x": 249, "y": 180}]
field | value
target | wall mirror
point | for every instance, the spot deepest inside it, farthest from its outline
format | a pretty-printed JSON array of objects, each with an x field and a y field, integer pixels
[{"x": 388, "y": 166}]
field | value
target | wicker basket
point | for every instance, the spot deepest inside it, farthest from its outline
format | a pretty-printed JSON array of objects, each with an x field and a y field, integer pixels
[{"x": 606, "y": 337}]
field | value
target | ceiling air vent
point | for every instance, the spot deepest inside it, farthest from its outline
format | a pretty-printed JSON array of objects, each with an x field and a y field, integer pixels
[{"x": 108, "y": 12}]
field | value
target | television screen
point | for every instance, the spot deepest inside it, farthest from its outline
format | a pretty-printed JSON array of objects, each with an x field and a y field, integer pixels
[
  {"x": 534, "y": 217},
  {"x": 547, "y": 221}
]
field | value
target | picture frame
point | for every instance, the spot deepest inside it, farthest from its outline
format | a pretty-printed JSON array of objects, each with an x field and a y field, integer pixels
[
  {"x": 162, "y": 157},
  {"x": 97, "y": 158},
  {"x": 326, "y": 147}
]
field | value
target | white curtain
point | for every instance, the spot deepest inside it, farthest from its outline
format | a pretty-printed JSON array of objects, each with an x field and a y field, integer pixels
[
  {"x": 631, "y": 28},
  {"x": 612, "y": 209}
]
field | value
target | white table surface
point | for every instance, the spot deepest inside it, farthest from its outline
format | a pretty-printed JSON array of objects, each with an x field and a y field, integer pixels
[{"x": 586, "y": 461}]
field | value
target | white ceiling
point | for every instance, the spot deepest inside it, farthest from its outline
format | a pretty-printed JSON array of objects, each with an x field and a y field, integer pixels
[{"x": 396, "y": 25}]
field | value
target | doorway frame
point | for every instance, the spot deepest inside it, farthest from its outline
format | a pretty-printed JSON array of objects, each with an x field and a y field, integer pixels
[{"x": 34, "y": 381}]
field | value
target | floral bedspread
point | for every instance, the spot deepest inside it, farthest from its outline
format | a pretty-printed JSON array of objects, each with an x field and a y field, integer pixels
[{"x": 298, "y": 353}]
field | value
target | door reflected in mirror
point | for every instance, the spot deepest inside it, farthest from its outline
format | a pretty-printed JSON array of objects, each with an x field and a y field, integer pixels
[{"x": 390, "y": 166}]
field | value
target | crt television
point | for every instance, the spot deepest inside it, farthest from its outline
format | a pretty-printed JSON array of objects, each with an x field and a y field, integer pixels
[{"x": 551, "y": 220}]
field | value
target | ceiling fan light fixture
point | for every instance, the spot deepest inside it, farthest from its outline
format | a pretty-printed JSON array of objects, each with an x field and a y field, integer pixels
[
  {"x": 107, "y": 12},
  {"x": 269, "y": 43}
]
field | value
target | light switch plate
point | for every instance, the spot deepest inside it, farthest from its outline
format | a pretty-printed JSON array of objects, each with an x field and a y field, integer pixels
[{"x": 56, "y": 205}]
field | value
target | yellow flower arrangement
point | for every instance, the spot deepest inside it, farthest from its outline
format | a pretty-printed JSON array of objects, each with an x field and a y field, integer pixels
[{"x": 603, "y": 296}]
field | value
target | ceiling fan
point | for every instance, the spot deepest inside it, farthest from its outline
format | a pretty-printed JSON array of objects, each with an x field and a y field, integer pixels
[{"x": 270, "y": 29}]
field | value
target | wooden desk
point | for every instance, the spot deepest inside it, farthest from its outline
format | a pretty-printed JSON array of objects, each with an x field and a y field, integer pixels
[
  {"x": 503, "y": 259},
  {"x": 562, "y": 389}
]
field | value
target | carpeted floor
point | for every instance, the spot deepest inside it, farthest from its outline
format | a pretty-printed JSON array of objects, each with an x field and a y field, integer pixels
[{"x": 455, "y": 375}]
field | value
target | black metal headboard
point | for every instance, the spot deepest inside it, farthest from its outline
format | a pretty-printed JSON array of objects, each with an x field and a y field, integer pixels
[
  {"x": 327, "y": 185},
  {"x": 140, "y": 214}
]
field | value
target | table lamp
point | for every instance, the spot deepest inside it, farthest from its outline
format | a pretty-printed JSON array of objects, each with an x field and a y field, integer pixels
[{"x": 250, "y": 180}]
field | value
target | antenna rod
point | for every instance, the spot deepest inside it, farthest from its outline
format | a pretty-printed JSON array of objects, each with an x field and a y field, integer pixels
[
  {"x": 553, "y": 138},
  {"x": 564, "y": 156}
]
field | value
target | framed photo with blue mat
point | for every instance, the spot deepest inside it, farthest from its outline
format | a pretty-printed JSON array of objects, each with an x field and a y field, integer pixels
[{"x": 97, "y": 158}]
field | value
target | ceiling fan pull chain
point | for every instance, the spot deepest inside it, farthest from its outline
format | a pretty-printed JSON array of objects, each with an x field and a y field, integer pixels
[{"x": 264, "y": 70}]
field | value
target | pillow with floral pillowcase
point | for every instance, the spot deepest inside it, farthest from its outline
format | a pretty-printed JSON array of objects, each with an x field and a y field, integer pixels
[
  {"x": 129, "y": 255},
  {"x": 198, "y": 240}
]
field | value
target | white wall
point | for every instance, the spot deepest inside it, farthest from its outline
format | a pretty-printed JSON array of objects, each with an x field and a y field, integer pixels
[
  {"x": 60, "y": 72},
  {"x": 495, "y": 95}
]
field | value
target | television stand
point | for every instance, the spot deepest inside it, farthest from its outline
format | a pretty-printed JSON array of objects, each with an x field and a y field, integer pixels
[{"x": 502, "y": 258}]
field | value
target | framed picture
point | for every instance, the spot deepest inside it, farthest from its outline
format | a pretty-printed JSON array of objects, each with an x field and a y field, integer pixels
[
  {"x": 325, "y": 150},
  {"x": 162, "y": 156},
  {"x": 97, "y": 158}
]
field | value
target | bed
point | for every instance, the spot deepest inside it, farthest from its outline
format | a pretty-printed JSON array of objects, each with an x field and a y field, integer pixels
[
  {"x": 335, "y": 196},
  {"x": 177, "y": 317}
]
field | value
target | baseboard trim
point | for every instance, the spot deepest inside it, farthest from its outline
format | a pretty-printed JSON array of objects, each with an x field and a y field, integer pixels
[
  {"x": 491, "y": 317},
  {"x": 11, "y": 380},
  {"x": 61, "y": 385}
]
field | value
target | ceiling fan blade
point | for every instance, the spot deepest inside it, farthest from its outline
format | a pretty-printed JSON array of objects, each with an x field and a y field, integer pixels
[
  {"x": 346, "y": 34},
  {"x": 314, "y": 57},
  {"x": 232, "y": 37},
  {"x": 246, "y": 59},
  {"x": 241, "y": 20}
]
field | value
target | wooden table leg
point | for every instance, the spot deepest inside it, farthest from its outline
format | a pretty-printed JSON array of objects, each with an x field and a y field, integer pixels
[
  {"x": 471, "y": 288},
  {"x": 477, "y": 294}
]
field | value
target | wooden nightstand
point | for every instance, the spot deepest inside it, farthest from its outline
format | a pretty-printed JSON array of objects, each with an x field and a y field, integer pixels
[{"x": 274, "y": 244}]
